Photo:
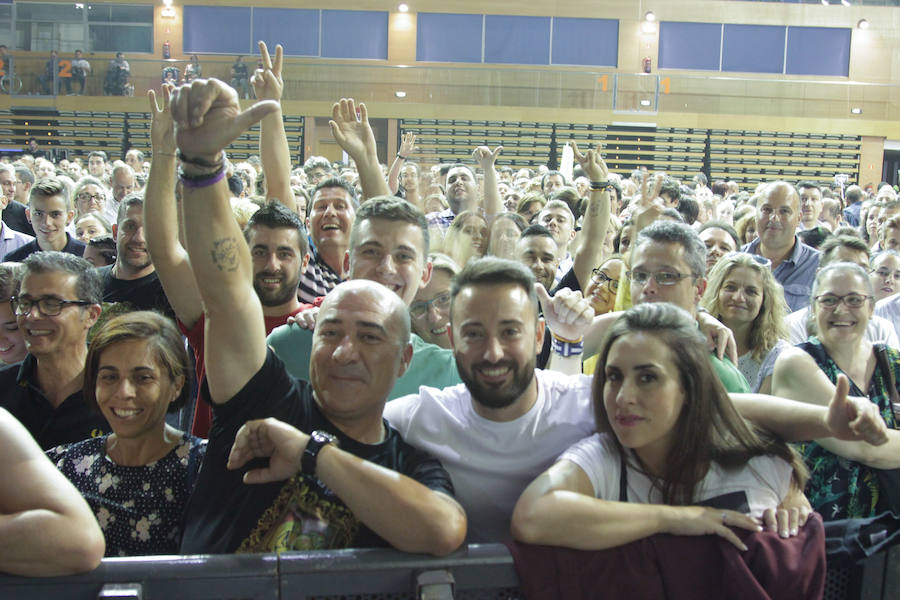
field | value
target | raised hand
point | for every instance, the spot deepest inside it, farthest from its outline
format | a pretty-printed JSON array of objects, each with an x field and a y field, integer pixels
[
  {"x": 567, "y": 313},
  {"x": 351, "y": 130},
  {"x": 208, "y": 117},
  {"x": 592, "y": 162},
  {"x": 485, "y": 157},
  {"x": 854, "y": 419},
  {"x": 268, "y": 438},
  {"x": 408, "y": 144},
  {"x": 267, "y": 82},
  {"x": 162, "y": 127}
]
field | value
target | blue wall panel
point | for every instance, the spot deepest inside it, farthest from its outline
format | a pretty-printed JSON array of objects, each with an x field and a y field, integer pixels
[
  {"x": 357, "y": 34},
  {"x": 592, "y": 42},
  {"x": 689, "y": 45},
  {"x": 296, "y": 30},
  {"x": 517, "y": 40},
  {"x": 818, "y": 51},
  {"x": 753, "y": 48},
  {"x": 448, "y": 38},
  {"x": 217, "y": 30}
]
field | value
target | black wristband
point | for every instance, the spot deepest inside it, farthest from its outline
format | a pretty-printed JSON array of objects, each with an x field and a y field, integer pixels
[
  {"x": 401, "y": 157},
  {"x": 599, "y": 185},
  {"x": 198, "y": 161}
]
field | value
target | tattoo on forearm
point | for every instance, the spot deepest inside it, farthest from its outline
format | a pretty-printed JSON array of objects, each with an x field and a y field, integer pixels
[{"x": 225, "y": 254}]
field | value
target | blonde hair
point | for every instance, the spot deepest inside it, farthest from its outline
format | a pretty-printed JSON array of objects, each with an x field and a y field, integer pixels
[{"x": 768, "y": 327}]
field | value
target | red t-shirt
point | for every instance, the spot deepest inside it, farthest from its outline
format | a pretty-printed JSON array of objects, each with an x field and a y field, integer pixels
[{"x": 203, "y": 412}]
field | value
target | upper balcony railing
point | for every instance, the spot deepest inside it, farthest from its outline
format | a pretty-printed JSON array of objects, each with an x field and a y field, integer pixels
[{"x": 526, "y": 87}]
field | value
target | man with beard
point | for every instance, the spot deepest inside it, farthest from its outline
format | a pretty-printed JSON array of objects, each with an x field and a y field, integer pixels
[
  {"x": 132, "y": 279},
  {"x": 496, "y": 429},
  {"x": 275, "y": 234}
]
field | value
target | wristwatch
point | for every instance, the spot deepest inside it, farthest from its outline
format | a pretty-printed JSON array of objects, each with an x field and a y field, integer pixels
[{"x": 317, "y": 440}]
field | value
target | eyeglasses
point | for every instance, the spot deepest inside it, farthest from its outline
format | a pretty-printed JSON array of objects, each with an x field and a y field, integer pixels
[
  {"x": 886, "y": 273},
  {"x": 601, "y": 278},
  {"x": 85, "y": 197},
  {"x": 830, "y": 301},
  {"x": 661, "y": 277},
  {"x": 49, "y": 306},
  {"x": 417, "y": 310}
]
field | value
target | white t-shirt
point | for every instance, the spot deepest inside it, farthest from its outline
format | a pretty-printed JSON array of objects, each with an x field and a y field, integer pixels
[
  {"x": 878, "y": 329},
  {"x": 491, "y": 463},
  {"x": 764, "y": 479},
  {"x": 889, "y": 308}
]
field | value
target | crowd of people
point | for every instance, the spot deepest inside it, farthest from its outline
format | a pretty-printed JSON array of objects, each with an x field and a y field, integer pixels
[{"x": 421, "y": 355}]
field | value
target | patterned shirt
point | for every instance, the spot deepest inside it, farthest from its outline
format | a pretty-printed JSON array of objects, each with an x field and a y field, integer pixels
[
  {"x": 796, "y": 273},
  {"x": 440, "y": 220},
  {"x": 839, "y": 488},
  {"x": 139, "y": 509},
  {"x": 318, "y": 279}
]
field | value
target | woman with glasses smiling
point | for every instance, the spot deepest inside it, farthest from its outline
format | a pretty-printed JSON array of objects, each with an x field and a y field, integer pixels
[
  {"x": 844, "y": 482},
  {"x": 90, "y": 196},
  {"x": 885, "y": 273}
]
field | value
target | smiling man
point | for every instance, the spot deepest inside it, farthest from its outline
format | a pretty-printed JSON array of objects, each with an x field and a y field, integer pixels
[
  {"x": 132, "y": 279},
  {"x": 331, "y": 214},
  {"x": 58, "y": 302},
  {"x": 794, "y": 263},
  {"x": 49, "y": 211}
]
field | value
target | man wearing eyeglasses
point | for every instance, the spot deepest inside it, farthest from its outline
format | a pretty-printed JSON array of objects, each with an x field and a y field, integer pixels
[{"x": 57, "y": 303}]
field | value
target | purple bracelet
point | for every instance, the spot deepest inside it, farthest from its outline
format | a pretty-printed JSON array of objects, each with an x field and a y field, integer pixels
[{"x": 202, "y": 183}]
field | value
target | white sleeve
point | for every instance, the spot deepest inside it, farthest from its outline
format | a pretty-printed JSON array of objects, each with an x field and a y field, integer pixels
[
  {"x": 598, "y": 458},
  {"x": 399, "y": 412},
  {"x": 796, "y": 326}
]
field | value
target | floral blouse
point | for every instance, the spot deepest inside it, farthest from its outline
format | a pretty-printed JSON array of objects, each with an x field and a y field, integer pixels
[
  {"x": 840, "y": 488},
  {"x": 139, "y": 509}
]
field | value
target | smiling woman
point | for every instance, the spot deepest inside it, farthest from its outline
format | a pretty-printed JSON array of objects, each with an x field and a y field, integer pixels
[
  {"x": 137, "y": 479},
  {"x": 637, "y": 477},
  {"x": 844, "y": 482}
]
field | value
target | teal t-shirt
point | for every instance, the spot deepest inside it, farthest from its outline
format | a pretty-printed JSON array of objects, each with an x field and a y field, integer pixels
[{"x": 431, "y": 365}]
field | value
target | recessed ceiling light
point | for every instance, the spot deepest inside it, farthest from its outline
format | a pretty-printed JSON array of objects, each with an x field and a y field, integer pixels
[
  {"x": 856, "y": 110},
  {"x": 400, "y": 94},
  {"x": 863, "y": 24},
  {"x": 645, "y": 103},
  {"x": 403, "y": 8},
  {"x": 649, "y": 16}
]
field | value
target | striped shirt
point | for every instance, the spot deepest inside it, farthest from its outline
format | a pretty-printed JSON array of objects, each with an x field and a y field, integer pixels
[{"x": 318, "y": 279}]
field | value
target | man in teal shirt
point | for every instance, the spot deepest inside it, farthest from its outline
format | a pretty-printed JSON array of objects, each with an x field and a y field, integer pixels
[{"x": 388, "y": 244}]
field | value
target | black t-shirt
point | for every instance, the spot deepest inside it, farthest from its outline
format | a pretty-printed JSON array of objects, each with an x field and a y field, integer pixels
[
  {"x": 71, "y": 421},
  {"x": 568, "y": 281},
  {"x": 14, "y": 217},
  {"x": 145, "y": 293},
  {"x": 223, "y": 511},
  {"x": 72, "y": 246}
]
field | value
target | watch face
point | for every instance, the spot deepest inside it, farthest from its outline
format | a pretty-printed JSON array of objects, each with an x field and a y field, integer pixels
[{"x": 323, "y": 437}]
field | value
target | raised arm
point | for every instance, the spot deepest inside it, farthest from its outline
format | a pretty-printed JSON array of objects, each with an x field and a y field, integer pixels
[
  {"x": 559, "y": 509},
  {"x": 161, "y": 222},
  {"x": 798, "y": 377},
  {"x": 207, "y": 118},
  {"x": 407, "y": 146},
  {"x": 410, "y": 516},
  {"x": 274, "y": 150},
  {"x": 46, "y": 527},
  {"x": 486, "y": 158},
  {"x": 354, "y": 135},
  {"x": 596, "y": 217}
]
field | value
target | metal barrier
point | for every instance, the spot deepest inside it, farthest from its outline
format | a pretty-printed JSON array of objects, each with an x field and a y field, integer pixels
[{"x": 475, "y": 572}]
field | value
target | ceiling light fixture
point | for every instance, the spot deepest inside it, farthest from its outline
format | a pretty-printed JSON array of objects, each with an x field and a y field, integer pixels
[
  {"x": 862, "y": 24},
  {"x": 400, "y": 94},
  {"x": 856, "y": 110},
  {"x": 649, "y": 16},
  {"x": 403, "y": 8}
]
